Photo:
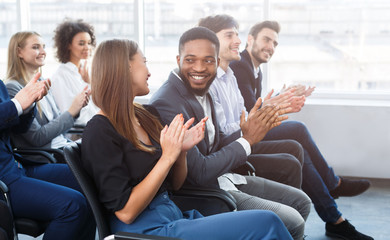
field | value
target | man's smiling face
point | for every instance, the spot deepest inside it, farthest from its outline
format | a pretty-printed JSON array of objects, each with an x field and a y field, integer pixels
[{"x": 198, "y": 63}]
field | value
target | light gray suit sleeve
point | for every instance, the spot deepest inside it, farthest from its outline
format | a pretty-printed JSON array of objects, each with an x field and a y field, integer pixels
[{"x": 41, "y": 131}]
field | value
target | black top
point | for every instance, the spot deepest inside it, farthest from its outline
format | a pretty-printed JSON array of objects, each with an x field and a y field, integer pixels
[{"x": 114, "y": 163}]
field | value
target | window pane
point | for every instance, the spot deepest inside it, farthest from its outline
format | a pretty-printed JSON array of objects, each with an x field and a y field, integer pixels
[
  {"x": 334, "y": 45},
  {"x": 111, "y": 19},
  {"x": 8, "y": 25}
]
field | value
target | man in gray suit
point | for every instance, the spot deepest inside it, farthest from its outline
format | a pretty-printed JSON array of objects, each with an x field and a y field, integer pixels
[{"x": 211, "y": 161}]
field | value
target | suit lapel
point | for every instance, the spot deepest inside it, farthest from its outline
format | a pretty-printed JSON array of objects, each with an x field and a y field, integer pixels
[{"x": 196, "y": 109}]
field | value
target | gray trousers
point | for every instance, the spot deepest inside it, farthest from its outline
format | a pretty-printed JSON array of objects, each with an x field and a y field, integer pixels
[
  {"x": 278, "y": 160},
  {"x": 290, "y": 204}
]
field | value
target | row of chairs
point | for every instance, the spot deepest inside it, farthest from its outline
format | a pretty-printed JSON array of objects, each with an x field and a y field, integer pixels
[{"x": 207, "y": 201}]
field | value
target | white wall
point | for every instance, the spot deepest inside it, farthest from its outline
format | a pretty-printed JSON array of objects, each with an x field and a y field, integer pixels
[{"x": 354, "y": 136}]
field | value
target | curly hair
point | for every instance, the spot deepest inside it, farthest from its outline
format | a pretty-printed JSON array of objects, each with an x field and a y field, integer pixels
[{"x": 64, "y": 34}]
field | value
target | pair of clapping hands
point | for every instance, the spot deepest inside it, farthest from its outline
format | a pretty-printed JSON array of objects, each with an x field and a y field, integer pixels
[
  {"x": 179, "y": 137},
  {"x": 33, "y": 91},
  {"x": 295, "y": 95},
  {"x": 268, "y": 114}
]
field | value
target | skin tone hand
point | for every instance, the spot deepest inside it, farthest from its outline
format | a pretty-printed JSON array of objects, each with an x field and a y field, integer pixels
[
  {"x": 81, "y": 100},
  {"x": 297, "y": 103},
  {"x": 301, "y": 90},
  {"x": 284, "y": 97},
  {"x": 260, "y": 121},
  {"x": 83, "y": 70},
  {"x": 34, "y": 91},
  {"x": 193, "y": 135},
  {"x": 171, "y": 139}
]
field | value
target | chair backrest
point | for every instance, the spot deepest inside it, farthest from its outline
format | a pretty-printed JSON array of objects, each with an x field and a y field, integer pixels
[{"x": 73, "y": 159}]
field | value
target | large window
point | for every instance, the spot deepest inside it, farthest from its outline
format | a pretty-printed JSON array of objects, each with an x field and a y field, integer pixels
[
  {"x": 336, "y": 45},
  {"x": 339, "y": 45}
]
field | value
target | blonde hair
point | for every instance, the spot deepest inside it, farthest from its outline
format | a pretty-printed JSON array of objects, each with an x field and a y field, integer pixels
[
  {"x": 111, "y": 84},
  {"x": 15, "y": 67}
]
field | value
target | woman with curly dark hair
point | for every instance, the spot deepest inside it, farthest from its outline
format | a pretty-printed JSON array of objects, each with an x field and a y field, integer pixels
[{"x": 74, "y": 41}]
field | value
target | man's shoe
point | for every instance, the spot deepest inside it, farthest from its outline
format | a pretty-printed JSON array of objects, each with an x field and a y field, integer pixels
[
  {"x": 345, "y": 230},
  {"x": 350, "y": 187}
]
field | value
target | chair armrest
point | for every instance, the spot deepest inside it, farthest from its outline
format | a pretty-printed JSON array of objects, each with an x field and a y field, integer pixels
[
  {"x": 3, "y": 187},
  {"x": 136, "y": 236},
  {"x": 207, "y": 201},
  {"x": 246, "y": 169},
  {"x": 76, "y": 129},
  {"x": 34, "y": 152}
]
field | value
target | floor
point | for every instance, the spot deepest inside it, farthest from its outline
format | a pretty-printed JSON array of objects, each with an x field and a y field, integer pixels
[{"x": 368, "y": 212}]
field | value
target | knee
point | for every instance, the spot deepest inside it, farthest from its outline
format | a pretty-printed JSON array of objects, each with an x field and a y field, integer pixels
[
  {"x": 294, "y": 223},
  {"x": 298, "y": 151},
  {"x": 292, "y": 164},
  {"x": 301, "y": 127},
  {"x": 76, "y": 207},
  {"x": 303, "y": 204}
]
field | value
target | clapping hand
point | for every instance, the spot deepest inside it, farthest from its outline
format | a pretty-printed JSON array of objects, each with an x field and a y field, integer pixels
[
  {"x": 193, "y": 135},
  {"x": 33, "y": 92}
]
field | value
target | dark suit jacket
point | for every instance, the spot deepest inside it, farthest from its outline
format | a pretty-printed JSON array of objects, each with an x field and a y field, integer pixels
[
  {"x": 249, "y": 86},
  {"x": 204, "y": 166},
  {"x": 9, "y": 121}
]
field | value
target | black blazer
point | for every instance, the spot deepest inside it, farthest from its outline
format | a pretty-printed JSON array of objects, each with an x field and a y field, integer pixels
[
  {"x": 249, "y": 86},
  {"x": 204, "y": 165}
]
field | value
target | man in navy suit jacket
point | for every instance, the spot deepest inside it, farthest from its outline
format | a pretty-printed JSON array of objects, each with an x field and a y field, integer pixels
[
  {"x": 319, "y": 180},
  {"x": 48, "y": 192}
]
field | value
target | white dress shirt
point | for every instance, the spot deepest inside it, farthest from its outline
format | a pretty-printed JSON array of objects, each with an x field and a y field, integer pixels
[{"x": 66, "y": 84}]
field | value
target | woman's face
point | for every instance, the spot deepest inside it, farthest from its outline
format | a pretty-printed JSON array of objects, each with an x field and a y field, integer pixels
[
  {"x": 140, "y": 74},
  {"x": 33, "y": 54},
  {"x": 80, "y": 48}
]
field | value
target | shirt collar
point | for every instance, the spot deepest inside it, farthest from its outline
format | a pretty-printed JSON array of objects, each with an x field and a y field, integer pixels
[
  {"x": 222, "y": 74},
  {"x": 71, "y": 66}
]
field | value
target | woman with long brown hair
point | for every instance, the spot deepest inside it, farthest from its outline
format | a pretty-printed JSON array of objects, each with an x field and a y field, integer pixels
[{"x": 134, "y": 160}]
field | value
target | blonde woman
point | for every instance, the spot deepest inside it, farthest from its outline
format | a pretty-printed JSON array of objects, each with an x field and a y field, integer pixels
[
  {"x": 45, "y": 192},
  {"x": 26, "y": 55}
]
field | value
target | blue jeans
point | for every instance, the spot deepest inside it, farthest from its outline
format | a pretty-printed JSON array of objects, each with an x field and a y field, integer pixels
[
  {"x": 162, "y": 217},
  {"x": 50, "y": 193},
  {"x": 318, "y": 178}
]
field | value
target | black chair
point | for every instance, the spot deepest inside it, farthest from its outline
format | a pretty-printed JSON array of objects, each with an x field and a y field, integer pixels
[
  {"x": 72, "y": 157},
  {"x": 27, "y": 226}
]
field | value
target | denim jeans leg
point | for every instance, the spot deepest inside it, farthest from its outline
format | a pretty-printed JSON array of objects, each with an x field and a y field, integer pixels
[
  {"x": 298, "y": 131},
  {"x": 315, "y": 188}
]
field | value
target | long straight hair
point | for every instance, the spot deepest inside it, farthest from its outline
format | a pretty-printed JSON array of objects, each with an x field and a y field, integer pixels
[
  {"x": 15, "y": 67},
  {"x": 111, "y": 84},
  {"x": 16, "y": 70}
]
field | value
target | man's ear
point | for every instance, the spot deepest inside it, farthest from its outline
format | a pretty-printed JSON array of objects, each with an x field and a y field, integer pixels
[
  {"x": 178, "y": 60},
  {"x": 218, "y": 61},
  {"x": 250, "y": 40}
]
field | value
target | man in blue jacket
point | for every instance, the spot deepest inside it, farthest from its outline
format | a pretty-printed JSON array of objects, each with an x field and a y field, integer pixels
[{"x": 46, "y": 192}]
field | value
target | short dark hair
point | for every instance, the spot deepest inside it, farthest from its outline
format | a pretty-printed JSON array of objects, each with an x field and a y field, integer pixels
[
  {"x": 255, "y": 29},
  {"x": 64, "y": 34},
  {"x": 218, "y": 23},
  {"x": 198, "y": 33}
]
